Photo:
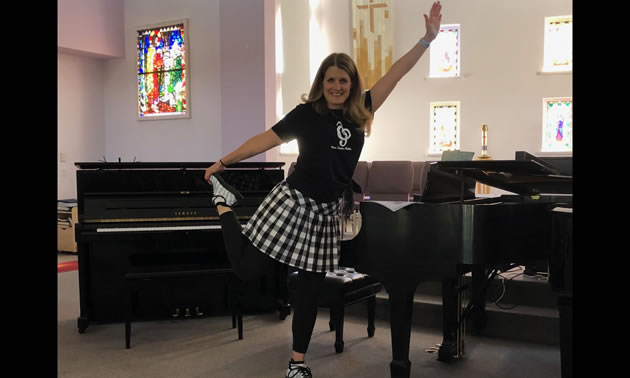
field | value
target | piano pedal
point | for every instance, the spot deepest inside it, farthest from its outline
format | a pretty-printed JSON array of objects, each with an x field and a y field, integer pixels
[
  {"x": 187, "y": 314},
  {"x": 433, "y": 349},
  {"x": 447, "y": 352},
  {"x": 176, "y": 313},
  {"x": 197, "y": 312}
]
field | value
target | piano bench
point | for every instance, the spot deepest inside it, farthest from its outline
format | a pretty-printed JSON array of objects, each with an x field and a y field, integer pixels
[
  {"x": 342, "y": 288},
  {"x": 138, "y": 276}
]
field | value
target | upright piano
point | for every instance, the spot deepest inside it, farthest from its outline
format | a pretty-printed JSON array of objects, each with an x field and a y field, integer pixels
[
  {"x": 155, "y": 210},
  {"x": 449, "y": 232}
]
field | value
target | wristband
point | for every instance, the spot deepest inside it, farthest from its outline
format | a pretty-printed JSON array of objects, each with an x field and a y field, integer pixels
[
  {"x": 222, "y": 163},
  {"x": 424, "y": 43}
]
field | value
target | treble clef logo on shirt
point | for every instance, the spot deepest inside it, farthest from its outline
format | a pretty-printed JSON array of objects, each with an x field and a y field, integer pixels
[{"x": 343, "y": 134}]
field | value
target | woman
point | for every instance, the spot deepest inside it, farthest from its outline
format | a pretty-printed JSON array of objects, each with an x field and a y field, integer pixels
[{"x": 297, "y": 223}]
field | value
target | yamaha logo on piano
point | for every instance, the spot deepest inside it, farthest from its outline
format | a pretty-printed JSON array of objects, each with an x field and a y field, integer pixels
[{"x": 185, "y": 213}]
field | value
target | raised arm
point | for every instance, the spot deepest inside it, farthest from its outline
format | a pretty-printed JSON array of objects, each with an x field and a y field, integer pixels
[
  {"x": 252, "y": 147},
  {"x": 385, "y": 85}
]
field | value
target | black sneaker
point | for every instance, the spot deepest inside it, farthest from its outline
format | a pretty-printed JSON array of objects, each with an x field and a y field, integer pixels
[
  {"x": 298, "y": 371},
  {"x": 224, "y": 193}
]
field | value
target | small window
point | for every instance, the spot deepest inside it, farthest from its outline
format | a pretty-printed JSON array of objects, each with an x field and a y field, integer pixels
[
  {"x": 163, "y": 85},
  {"x": 444, "y": 130},
  {"x": 558, "y": 44},
  {"x": 445, "y": 52},
  {"x": 557, "y": 133}
]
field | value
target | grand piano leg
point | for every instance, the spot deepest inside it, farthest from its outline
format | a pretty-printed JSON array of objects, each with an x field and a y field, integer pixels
[
  {"x": 565, "y": 307},
  {"x": 453, "y": 332},
  {"x": 479, "y": 316},
  {"x": 400, "y": 309}
]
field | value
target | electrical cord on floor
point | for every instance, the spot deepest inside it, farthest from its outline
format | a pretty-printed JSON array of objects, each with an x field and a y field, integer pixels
[
  {"x": 503, "y": 279},
  {"x": 511, "y": 274},
  {"x": 508, "y": 275}
]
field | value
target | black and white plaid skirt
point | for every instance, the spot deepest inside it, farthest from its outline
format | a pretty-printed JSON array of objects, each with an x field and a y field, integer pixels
[{"x": 296, "y": 230}]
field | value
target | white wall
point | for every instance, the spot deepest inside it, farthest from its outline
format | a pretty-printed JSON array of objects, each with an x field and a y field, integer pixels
[
  {"x": 80, "y": 115},
  {"x": 189, "y": 139},
  {"x": 502, "y": 51},
  {"x": 242, "y": 74},
  {"x": 90, "y": 27},
  {"x": 227, "y": 82},
  {"x": 88, "y": 32},
  {"x": 501, "y": 54}
]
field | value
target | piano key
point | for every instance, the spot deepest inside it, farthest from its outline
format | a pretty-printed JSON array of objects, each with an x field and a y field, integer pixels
[{"x": 159, "y": 228}]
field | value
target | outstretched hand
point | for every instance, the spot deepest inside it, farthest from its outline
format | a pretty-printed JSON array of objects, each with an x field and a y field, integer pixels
[{"x": 433, "y": 22}]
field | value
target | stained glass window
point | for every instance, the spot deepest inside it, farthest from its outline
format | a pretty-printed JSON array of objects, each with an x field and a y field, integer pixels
[
  {"x": 558, "y": 44},
  {"x": 557, "y": 125},
  {"x": 444, "y": 130},
  {"x": 445, "y": 52},
  {"x": 162, "y": 71}
]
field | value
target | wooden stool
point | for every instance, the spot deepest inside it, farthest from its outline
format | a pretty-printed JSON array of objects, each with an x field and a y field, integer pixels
[{"x": 342, "y": 288}]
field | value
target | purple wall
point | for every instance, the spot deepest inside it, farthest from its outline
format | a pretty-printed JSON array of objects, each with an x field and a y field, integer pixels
[
  {"x": 91, "y": 27},
  {"x": 242, "y": 73}
]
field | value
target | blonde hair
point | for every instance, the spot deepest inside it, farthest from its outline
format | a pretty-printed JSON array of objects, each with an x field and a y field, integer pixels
[{"x": 353, "y": 109}]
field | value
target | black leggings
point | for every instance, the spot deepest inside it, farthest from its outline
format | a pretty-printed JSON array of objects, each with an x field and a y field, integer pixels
[{"x": 249, "y": 263}]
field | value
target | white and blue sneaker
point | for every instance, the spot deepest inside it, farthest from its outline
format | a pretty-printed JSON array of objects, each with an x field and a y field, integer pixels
[
  {"x": 298, "y": 370},
  {"x": 224, "y": 193}
]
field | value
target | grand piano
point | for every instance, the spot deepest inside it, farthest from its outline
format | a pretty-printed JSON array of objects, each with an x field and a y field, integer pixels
[
  {"x": 449, "y": 232},
  {"x": 159, "y": 211}
]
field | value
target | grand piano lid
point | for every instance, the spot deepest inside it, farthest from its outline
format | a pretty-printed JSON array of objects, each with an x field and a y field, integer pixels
[
  {"x": 526, "y": 177},
  {"x": 174, "y": 165}
]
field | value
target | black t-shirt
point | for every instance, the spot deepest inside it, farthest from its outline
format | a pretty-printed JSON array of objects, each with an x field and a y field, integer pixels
[{"x": 329, "y": 146}]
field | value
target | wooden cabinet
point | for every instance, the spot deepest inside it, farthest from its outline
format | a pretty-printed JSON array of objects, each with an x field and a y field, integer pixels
[{"x": 67, "y": 217}]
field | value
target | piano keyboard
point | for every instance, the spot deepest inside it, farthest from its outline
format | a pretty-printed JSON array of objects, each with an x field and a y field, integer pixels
[{"x": 159, "y": 228}]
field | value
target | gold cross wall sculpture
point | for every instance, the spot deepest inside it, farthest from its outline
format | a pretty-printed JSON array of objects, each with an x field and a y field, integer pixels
[{"x": 372, "y": 38}]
